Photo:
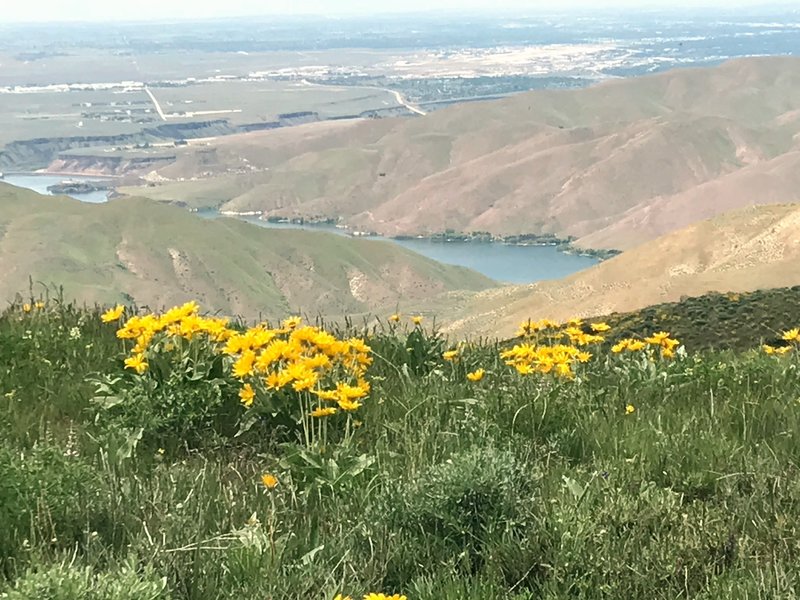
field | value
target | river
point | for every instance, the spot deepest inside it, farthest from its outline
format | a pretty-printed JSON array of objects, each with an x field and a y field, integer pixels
[
  {"x": 502, "y": 262},
  {"x": 39, "y": 183}
]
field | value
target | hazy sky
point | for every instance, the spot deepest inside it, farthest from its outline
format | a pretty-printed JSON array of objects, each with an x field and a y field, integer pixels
[{"x": 60, "y": 10}]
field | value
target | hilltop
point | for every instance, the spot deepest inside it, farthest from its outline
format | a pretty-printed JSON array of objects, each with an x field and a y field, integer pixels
[
  {"x": 155, "y": 254},
  {"x": 612, "y": 165},
  {"x": 746, "y": 250}
]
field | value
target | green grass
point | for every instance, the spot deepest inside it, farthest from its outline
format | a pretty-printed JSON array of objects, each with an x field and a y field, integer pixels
[
  {"x": 508, "y": 488},
  {"x": 157, "y": 255}
]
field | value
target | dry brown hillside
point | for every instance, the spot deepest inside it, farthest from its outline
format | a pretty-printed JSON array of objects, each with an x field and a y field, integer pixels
[
  {"x": 749, "y": 249},
  {"x": 612, "y": 165}
]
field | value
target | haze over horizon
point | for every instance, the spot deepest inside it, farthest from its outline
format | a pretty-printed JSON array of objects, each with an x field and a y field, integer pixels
[{"x": 98, "y": 10}]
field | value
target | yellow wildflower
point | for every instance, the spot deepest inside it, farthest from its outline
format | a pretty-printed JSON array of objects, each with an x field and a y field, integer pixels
[
  {"x": 349, "y": 405},
  {"x": 137, "y": 362},
  {"x": 395, "y": 318},
  {"x": 269, "y": 481},
  {"x": 417, "y": 320},
  {"x": 657, "y": 338},
  {"x": 247, "y": 395},
  {"x": 323, "y": 412},
  {"x": 600, "y": 327},
  {"x": 783, "y": 350},
  {"x": 243, "y": 367},
  {"x": 374, "y": 596},
  {"x": 768, "y": 349},
  {"x": 292, "y": 322},
  {"x": 636, "y": 345},
  {"x": 39, "y": 305},
  {"x": 621, "y": 346},
  {"x": 340, "y": 597},
  {"x": 26, "y": 308},
  {"x": 450, "y": 355},
  {"x": 476, "y": 375},
  {"x": 793, "y": 335},
  {"x": 630, "y": 409},
  {"x": 527, "y": 329}
]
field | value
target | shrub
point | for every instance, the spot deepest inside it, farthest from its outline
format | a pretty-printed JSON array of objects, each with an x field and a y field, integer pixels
[{"x": 68, "y": 582}]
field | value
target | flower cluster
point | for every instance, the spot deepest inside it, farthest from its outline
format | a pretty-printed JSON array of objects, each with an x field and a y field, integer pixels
[
  {"x": 558, "y": 359},
  {"x": 152, "y": 333},
  {"x": 661, "y": 341},
  {"x": 302, "y": 359},
  {"x": 263, "y": 359},
  {"x": 544, "y": 351},
  {"x": 791, "y": 339}
]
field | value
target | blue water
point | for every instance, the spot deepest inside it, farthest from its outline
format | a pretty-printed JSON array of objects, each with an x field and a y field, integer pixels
[
  {"x": 39, "y": 183},
  {"x": 502, "y": 262}
]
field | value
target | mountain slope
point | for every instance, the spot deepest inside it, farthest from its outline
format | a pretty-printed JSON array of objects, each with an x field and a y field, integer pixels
[
  {"x": 750, "y": 249},
  {"x": 160, "y": 255},
  {"x": 586, "y": 163}
]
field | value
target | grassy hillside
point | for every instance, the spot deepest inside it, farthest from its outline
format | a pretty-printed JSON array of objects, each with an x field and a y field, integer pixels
[
  {"x": 612, "y": 165},
  {"x": 154, "y": 254},
  {"x": 746, "y": 250},
  {"x": 630, "y": 476},
  {"x": 732, "y": 321}
]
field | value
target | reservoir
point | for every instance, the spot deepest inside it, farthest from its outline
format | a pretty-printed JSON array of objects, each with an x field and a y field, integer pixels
[
  {"x": 39, "y": 183},
  {"x": 501, "y": 262}
]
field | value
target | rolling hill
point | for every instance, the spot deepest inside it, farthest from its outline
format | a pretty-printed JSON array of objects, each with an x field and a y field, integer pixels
[
  {"x": 612, "y": 165},
  {"x": 749, "y": 249},
  {"x": 155, "y": 254}
]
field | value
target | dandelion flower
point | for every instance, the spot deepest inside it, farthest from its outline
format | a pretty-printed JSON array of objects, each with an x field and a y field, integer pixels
[
  {"x": 39, "y": 305},
  {"x": 269, "y": 480},
  {"x": 247, "y": 395},
  {"x": 113, "y": 314},
  {"x": 600, "y": 327},
  {"x": 322, "y": 412},
  {"x": 26, "y": 308},
  {"x": 137, "y": 362},
  {"x": 417, "y": 320},
  {"x": 395, "y": 318},
  {"x": 476, "y": 375},
  {"x": 630, "y": 409}
]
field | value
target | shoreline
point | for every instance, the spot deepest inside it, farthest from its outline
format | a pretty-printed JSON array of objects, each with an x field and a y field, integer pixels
[{"x": 564, "y": 245}]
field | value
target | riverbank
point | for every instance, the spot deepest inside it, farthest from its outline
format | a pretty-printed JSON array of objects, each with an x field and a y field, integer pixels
[{"x": 565, "y": 245}]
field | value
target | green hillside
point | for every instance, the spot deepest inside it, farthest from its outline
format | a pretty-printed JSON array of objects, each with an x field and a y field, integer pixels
[
  {"x": 173, "y": 471},
  {"x": 155, "y": 254},
  {"x": 737, "y": 321}
]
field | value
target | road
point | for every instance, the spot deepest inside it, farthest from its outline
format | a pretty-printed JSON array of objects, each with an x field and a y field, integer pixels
[
  {"x": 155, "y": 103},
  {"x": 411, "y": 107}
]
